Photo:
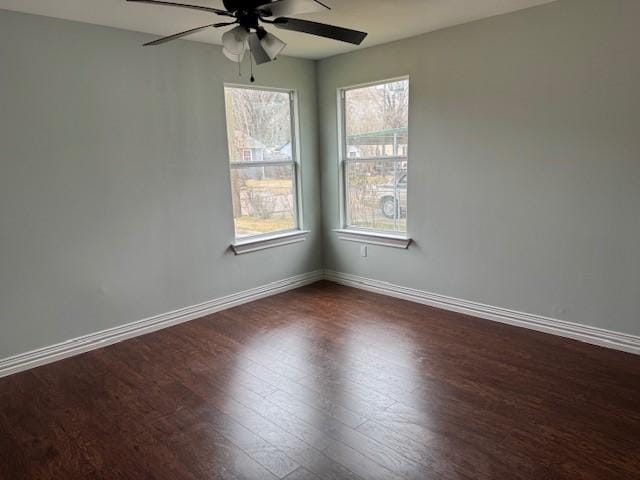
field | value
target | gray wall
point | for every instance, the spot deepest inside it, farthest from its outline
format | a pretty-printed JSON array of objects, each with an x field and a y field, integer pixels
[
  {"x": 114, "y": 180},
  {"x": 524, "y": 161}
]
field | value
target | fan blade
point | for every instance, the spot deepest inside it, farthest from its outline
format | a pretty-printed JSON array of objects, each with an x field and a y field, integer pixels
[
  {"x": 259, "y": 53},
  {"x": 176, "y": 36},
  {"x": 285, "y": 8},
  {"x": 324, "y": 5},
  {"x": 321, "y": 30},
  {"x": 217, "y": 11}
]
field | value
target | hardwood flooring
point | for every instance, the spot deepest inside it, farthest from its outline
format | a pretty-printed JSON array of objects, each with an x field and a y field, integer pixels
[{"x": 328, "y": 382}]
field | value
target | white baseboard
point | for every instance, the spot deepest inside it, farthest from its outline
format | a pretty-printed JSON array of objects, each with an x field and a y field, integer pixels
[
  {"x": 596, "y": 336},
  {"x": 75, "y": 346}
]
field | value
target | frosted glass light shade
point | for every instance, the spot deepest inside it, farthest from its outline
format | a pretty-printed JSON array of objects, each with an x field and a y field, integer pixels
[
  {"x": 272, "y": 45},
  {"x": 234, "y": 40}
]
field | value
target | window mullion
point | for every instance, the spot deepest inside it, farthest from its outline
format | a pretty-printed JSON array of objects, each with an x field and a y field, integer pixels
[{"x": 261, "y": 164}]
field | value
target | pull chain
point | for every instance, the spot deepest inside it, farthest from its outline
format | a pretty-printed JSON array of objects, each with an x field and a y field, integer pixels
[{"x": 253, "y": 79}]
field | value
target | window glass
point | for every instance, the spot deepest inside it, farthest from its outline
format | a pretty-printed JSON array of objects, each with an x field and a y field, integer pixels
[
  {"x": 262, "y": 159},
  {"x": 375, "y": 157}
]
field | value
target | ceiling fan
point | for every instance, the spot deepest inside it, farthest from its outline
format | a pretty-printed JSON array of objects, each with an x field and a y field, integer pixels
[{"x": 250, "y": 35}]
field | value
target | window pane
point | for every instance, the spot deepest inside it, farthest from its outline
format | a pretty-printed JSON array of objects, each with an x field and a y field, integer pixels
[
  {"x": 377, "y": 119},
  {"x": 263, "y": 200},
  {"x": 258, "y": 125},
  {"x": 377, "y": 194}
]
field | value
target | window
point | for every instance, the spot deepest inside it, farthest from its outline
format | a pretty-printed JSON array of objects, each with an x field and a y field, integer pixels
[
  {"x": 374, "y": 159},
  {"x": 247, "y": 155},
  {"x": 262, "y": 154}
]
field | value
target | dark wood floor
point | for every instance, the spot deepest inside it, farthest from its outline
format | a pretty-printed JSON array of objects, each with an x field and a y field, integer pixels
[{"x": 328, "y": 382}]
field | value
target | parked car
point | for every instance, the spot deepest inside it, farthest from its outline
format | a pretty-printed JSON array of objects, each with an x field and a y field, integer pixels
[{"x": 393, "y": 198}]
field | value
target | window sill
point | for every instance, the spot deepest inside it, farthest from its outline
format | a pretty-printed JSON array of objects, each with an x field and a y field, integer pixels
[
  {"x": 374, "y": 238},
  {"x": 255, "y": 244}
]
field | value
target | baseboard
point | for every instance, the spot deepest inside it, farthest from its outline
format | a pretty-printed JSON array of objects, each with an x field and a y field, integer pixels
[
  {"x": 103, "y": 338},
  {"x": 596, "y": 336}
]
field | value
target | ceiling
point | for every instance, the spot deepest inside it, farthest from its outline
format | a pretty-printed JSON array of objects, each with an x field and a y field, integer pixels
[{"x": 385, "y": 20}]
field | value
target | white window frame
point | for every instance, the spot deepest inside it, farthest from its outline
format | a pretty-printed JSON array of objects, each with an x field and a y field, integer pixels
[
  {"x": 346, "y": 231},
  {"x": 282, "y": 237}
]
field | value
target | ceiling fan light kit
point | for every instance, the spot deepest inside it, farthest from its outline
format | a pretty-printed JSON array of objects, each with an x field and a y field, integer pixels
[{"x": 249, "y": 34}]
